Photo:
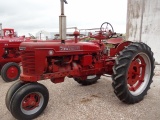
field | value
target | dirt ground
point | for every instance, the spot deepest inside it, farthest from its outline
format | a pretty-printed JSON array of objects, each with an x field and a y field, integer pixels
[{"x": 71, "y": 101}]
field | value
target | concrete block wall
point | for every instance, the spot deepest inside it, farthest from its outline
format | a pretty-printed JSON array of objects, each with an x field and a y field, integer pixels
[{"x": 143, "y": 23}]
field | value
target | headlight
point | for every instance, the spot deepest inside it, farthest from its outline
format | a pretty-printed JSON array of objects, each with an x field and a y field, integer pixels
[{"x": 50, "y": 52}]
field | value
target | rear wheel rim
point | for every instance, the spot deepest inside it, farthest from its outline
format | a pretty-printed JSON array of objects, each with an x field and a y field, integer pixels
[
  {"x": 32, "y": 103},
  {"x": 139, "y": 74},
  {"x": 12, "y": 72}
]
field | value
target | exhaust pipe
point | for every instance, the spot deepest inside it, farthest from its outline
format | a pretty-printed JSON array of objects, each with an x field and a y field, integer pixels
[
  {"x": 1, "y": 31},
  {"x": 62, "y": 23}
]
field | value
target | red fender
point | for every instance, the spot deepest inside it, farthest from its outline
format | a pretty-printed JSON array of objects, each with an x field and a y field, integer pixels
[
  {"x": 122, "y": 45},
  {"x": 115, "y": 41}
]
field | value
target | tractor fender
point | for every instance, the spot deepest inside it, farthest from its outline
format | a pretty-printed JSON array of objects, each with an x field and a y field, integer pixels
[
  {"x": 122, "y": 45},
  {"x": 115, "y": 41}
]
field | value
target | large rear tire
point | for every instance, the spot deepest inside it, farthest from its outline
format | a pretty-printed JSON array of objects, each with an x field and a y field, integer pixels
[
  {"x": 10, "y": 72},
  {"x": 133, "y": 72},
  {"x": 92, "y": 79}
]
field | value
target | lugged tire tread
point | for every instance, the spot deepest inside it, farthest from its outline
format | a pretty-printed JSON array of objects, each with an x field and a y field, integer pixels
[{"x": 119, "y": 81}]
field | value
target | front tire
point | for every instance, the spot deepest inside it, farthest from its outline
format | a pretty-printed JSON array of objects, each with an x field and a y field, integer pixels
[
  {"x": 133, "y": 73},
  {"x": 92, "y": 79},
  {"x": 29, "y": 101},
  {"x": 12, "y": 90},
  {"x": 10, "y": 72}
]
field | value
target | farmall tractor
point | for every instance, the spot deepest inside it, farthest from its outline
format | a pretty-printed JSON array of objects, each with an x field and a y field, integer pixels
[
  {"x": 131, "y": 65},
  {"x": 10, "y": 54}
]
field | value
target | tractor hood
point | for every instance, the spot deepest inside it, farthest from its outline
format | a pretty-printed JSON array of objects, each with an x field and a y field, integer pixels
[
  {"x": 12, "y": 41},
  {"x": 61, "y": 49}
]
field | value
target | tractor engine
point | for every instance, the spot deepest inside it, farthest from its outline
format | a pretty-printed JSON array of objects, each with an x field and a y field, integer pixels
[
  {"x": 55, "y": 61},
  {"x": 11, "y": 53}
]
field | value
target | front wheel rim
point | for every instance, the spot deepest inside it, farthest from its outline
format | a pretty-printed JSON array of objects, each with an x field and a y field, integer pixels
[
  {"x": 32, "y": 103},
  {"x": 12, "y": 72},
  {"x": 139, "y": 74}
]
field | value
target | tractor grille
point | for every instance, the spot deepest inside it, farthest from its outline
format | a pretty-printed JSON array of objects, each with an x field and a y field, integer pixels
[{"x": 28, "y": 62}]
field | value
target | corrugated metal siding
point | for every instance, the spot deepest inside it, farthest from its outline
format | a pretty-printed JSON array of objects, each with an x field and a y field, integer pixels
[{"x": 143, "y": 23}]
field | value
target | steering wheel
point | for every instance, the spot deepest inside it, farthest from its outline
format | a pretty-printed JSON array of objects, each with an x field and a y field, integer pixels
[{"x": 107, "y": 29}]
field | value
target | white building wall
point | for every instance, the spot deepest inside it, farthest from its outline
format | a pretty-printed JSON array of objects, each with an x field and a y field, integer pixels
[
  {"x": 44, "y": 35},
  {"x": 143, "y": 23}
]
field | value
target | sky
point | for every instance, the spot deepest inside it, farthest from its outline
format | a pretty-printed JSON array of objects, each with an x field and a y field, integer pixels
[{"x": 31, "y": 16}]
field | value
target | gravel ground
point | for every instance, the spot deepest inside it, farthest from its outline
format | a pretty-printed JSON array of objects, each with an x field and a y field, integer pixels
[{"x": 71, "y": 101}]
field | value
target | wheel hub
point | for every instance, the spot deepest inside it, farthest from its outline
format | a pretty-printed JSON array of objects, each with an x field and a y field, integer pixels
[
  {"x": 31, "y": 101},
  {"x": 136, "y": 73},
  {"x": 12, "y": 72}
]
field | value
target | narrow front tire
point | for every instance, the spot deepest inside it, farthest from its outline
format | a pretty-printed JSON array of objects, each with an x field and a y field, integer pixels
[{"x": 29, "y": 101}]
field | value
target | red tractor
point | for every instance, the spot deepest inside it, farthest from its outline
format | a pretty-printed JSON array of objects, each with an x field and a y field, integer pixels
[
  {"x": 131, "y": 65},
  {"x": 10, "y": 54}
]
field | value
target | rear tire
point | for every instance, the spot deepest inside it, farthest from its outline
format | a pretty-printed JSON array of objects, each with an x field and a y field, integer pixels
[
  {"x": 29, "y": 101},
  {"x": 92, "y": 79},
  {"x": 133, "y": 73},
  {"x": 10, "y": 72}
]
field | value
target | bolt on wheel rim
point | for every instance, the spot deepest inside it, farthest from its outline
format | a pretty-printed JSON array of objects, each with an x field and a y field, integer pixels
[
  {"x": 139, "y": 74},
  {"x": 32, "y": 103}
]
